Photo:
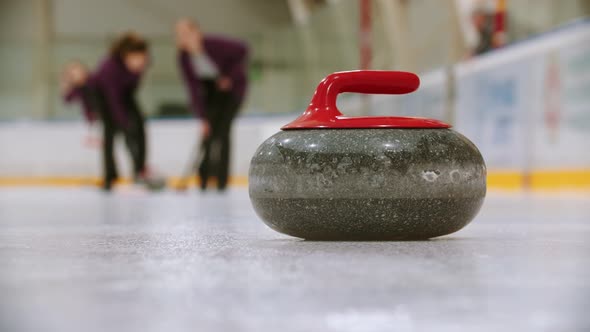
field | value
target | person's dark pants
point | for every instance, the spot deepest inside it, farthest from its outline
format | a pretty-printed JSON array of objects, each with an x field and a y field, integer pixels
[
  {"x": 220, "y": 110},
  {"x": 134, "y": 134}
]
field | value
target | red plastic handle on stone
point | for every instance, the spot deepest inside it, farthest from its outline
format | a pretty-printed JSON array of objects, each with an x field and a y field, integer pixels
[
  {"x": 323, "y": 113},
  {"x": 365, "y": 81}
]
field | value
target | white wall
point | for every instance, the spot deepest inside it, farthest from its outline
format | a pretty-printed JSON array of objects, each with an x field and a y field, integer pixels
[
  {"x": 57, "y": 149},
  {"x": 527, "y": 107}
]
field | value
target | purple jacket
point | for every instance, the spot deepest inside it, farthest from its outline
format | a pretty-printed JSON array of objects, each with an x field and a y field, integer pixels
[
  {"x": 229, "y": 55},
  {"x": 77, "y": 94},
  {"x": 117, "y": 85}
]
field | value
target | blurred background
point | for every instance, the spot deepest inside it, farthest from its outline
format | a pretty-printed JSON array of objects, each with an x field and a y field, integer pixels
[{"x": 512, "y": 75}]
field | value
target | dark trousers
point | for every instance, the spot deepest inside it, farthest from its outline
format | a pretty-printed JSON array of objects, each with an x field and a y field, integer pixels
[
  {"x": 220, "y": 110},
  {"x": 134, "y": 134}
]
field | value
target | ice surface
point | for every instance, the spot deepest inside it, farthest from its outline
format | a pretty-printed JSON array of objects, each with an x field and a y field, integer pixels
[{"x": 80, "y": 260}]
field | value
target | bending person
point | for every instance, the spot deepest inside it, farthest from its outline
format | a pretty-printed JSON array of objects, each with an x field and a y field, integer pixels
[
  {"x": 111, "y": 91},
  {"x": 214, "y": 72},
  {"x": 117, "y": 80}
]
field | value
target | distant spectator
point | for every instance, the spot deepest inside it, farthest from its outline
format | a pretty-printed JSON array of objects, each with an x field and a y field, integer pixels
[{"x": 483, "y": 21}]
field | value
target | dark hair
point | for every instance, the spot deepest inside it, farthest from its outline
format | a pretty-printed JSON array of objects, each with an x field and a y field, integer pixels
[{"x": 129, "y": 42}]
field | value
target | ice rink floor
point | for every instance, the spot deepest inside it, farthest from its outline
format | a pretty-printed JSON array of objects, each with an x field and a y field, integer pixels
[{"x": 79, "y": 260}]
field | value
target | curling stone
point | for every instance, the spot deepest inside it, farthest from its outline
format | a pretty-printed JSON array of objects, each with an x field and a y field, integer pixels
[{"x": 326, "y": 176}]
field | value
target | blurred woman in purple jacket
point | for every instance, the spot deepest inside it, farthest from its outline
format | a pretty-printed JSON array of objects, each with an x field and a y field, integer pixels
[
  {"x": 214, "y": 72},
  {"x": 74, "y": 87},
  {"x": 117, "y": 80},
  {"x": 111, "y": 90}
]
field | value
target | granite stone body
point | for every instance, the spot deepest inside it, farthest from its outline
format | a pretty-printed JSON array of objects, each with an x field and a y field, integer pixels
[{"x": 367, "y": 184}]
